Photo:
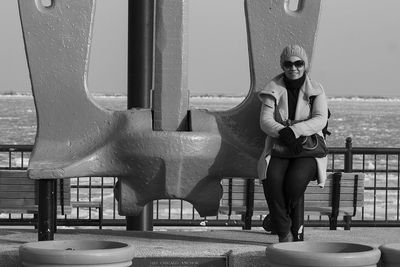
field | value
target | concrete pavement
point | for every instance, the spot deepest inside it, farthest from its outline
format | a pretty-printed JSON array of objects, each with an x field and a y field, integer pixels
[{"x": 241, "y": 248}]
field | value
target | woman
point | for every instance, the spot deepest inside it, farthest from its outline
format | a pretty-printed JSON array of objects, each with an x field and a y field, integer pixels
[{"x": 288, "y": 114}]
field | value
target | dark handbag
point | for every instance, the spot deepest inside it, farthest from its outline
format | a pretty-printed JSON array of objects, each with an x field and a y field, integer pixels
[{"x": 313, "y": 147}]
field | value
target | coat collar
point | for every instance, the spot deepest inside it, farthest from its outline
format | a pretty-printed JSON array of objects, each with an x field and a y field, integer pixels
[{"x": 276, "y": 87}]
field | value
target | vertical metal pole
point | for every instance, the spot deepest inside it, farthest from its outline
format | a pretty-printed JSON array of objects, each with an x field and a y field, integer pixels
[
  {"x": 140, "y": 52},
  {"x": 348, "y": 167},
  {"x": 140, "y": 79},
  {"x": 46, "y": 210},
  {"x": 348, "y": 156},
  {"x": 55, "y": 206}
]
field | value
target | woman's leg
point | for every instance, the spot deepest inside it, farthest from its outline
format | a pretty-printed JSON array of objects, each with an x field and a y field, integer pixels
[
  {"x": 299, "y": 174},
  {"x": 274, "y": 194}
]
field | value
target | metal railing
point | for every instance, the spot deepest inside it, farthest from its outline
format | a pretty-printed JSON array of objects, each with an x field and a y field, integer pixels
[{"x": 381, "y": 196}]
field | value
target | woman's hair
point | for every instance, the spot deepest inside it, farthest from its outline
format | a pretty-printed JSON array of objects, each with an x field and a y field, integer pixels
[{"x": 294, "y": 50}]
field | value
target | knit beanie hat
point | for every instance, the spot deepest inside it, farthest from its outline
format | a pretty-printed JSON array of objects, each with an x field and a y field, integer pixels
[{"x": 294, "y": 50}]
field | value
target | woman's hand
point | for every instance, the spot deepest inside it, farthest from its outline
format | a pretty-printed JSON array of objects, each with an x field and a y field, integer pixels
[{"x": 287, "y": 136}]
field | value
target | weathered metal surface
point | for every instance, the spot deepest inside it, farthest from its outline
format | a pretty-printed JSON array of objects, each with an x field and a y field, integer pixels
[
  {"x": 78, "y": 138},
  {"x": 171, "y": 95},
  {"x": 70, "y": 126},
  {"x": 272, "y": 26}
]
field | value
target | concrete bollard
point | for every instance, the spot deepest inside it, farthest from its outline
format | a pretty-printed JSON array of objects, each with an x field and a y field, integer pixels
[
  {"x": 313, "y": 254},
  {"x": 76, "y": 253},
  {"x": 390, "y": 255}
]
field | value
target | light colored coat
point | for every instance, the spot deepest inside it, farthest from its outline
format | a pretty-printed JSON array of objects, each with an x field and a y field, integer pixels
[{"x": 274, "y": 114}]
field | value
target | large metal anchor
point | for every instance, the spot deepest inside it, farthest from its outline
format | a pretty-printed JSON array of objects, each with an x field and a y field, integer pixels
[{"x": 76, "y": 137}]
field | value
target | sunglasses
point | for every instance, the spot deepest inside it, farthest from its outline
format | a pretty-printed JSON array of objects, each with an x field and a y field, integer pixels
[{"x": 290, "y": 64}]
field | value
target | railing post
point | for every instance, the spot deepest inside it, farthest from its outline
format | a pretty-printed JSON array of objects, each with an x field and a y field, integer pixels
[
  {"x": 55, "y": 206},
  {"x": 348, "y": 156}
]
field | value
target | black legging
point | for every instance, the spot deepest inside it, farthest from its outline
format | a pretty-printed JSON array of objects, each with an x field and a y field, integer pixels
[{"x": 287, "y": 179}]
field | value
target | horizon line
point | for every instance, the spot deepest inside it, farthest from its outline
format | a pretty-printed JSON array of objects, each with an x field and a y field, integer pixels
[{"x": 198, "y": 94}]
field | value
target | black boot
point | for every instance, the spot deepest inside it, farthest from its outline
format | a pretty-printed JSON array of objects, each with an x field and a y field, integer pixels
[
  {"x": 267, "y": 225},
  {"x": 297, "y": 233},
  {"x": 285, "y": 238},
  {"x": 297, "y": 218}
]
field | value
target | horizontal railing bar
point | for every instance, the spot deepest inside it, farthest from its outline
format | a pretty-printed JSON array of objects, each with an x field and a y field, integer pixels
[
  {"x": 382, "y": 188},
  {"x": 375, "y": 150},
  {"x": 93, "y": 186},
  {"x": 373, "y": 171},
  {"x": 376, "y": 223},
  {"x": 13, "y": 168},
  {"x": 16, "y": 148},
  {"x": 14, "y": 221}
]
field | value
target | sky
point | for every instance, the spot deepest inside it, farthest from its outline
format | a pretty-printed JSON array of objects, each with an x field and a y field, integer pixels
[{"x": 356, "y": 50}]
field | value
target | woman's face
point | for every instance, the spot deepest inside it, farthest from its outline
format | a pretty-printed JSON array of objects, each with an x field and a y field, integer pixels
[{"x": 293, "y": 67}]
